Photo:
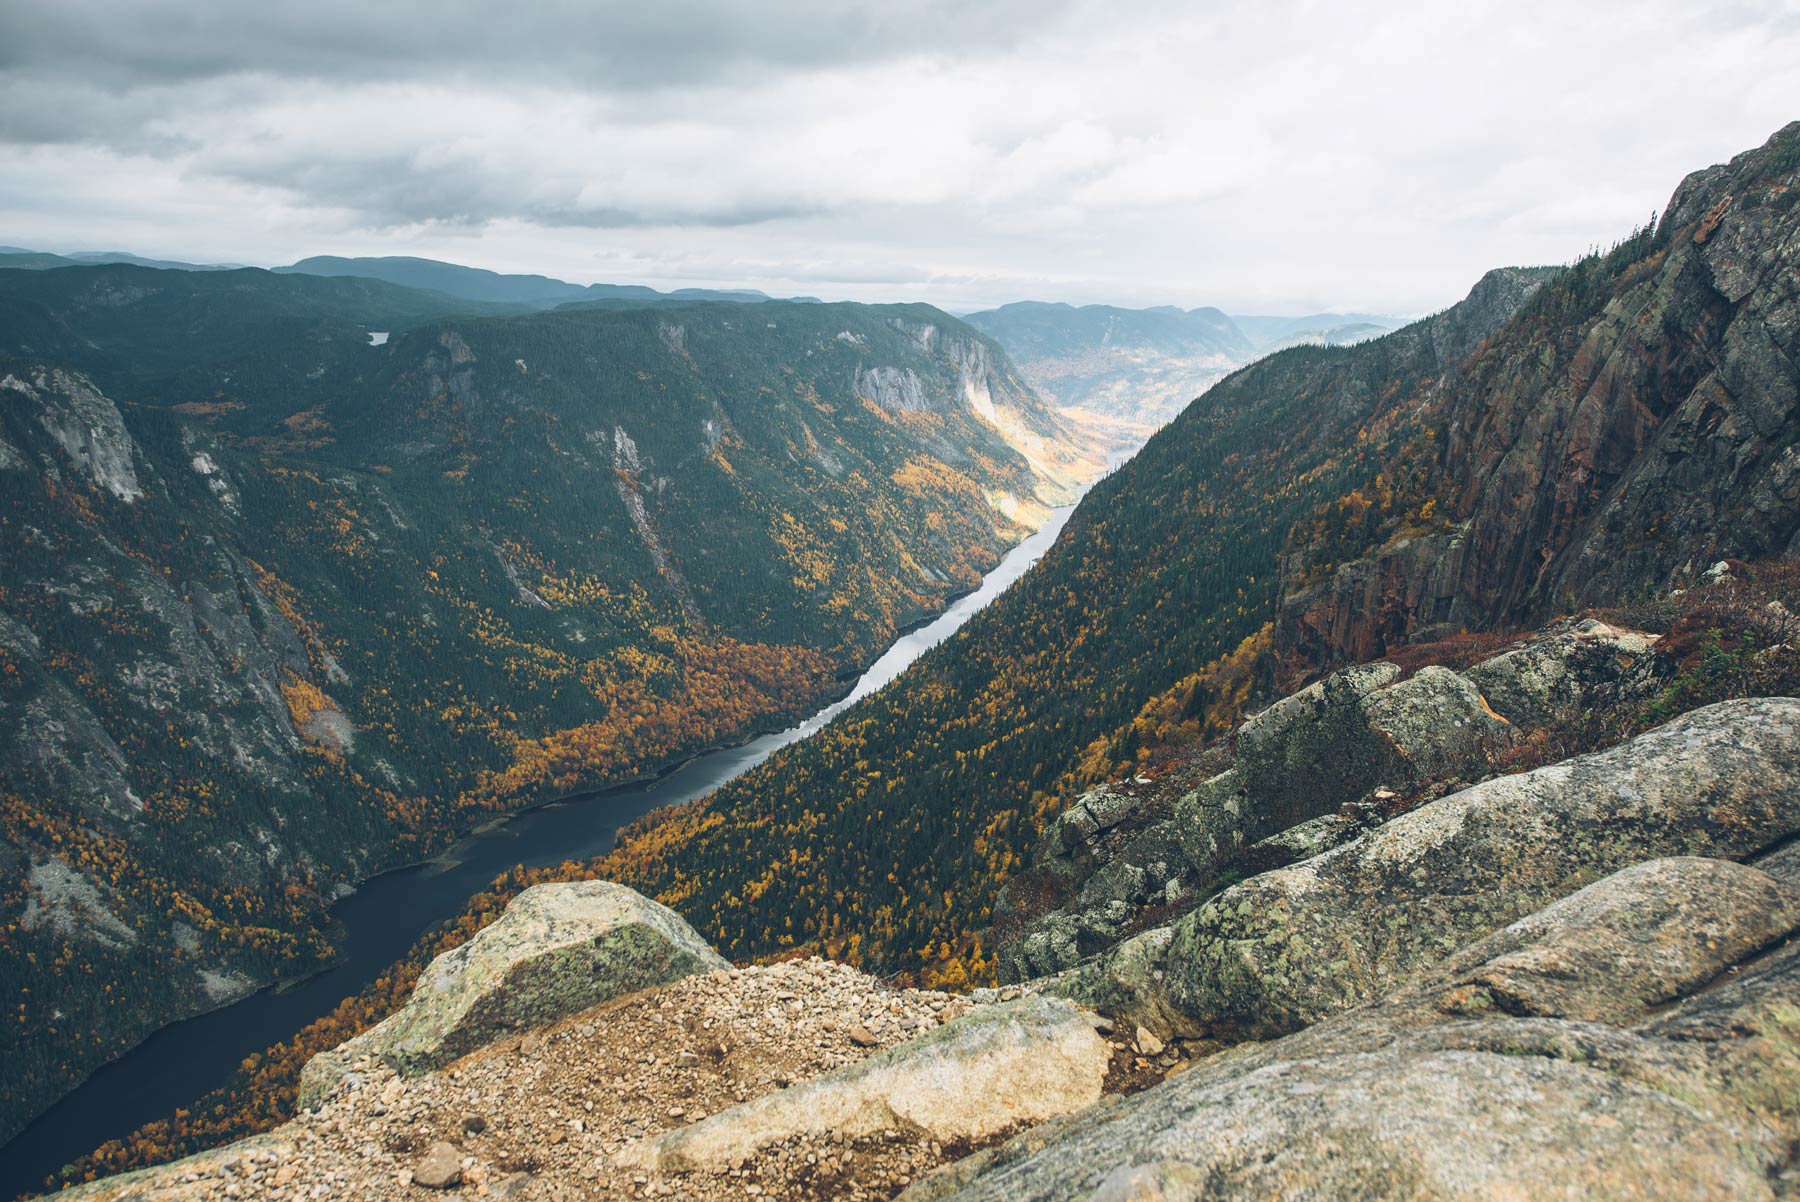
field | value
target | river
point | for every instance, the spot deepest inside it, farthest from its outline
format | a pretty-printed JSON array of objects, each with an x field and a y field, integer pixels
[{"x": 184, "y": 1061}]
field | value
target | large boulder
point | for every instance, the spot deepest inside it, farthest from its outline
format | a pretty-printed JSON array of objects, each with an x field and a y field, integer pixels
[
  {"x": 973, "y": 1078},
  {"x": 1656, "y": 1056},
  {"x": 1573, "y": 666},
  {"x": 557, "y": 950},
  {"x": 1289, "y": 947}
]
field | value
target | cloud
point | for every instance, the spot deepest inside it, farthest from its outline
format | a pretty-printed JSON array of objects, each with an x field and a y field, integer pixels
[
  {"x": 1286, "y": 154},
  {"x": 599, "y": 44}
]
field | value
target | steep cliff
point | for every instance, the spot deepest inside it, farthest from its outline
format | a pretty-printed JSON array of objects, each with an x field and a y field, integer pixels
[{"x": 1634, "y": 424}]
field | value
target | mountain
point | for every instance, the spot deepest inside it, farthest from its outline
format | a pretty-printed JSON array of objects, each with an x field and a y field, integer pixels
[
  {"x": 480, "y": 284},
  {"x": 283, "y": 608},
  {"x": 1371, "y": 821},
  {"x": 1269, "y": 334},
  {"x": 190, "y": 333},
  {"x": 1129, "y": 370},
  {"x": 18, "y": 256},
  {"x": 1561, "y": 437}
]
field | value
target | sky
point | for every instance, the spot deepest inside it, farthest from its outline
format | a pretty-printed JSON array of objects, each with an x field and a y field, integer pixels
[{"x": 1277, "y": 156}]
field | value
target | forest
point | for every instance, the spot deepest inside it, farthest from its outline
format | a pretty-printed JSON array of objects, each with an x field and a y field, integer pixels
[{"x": 289, "y": 609}]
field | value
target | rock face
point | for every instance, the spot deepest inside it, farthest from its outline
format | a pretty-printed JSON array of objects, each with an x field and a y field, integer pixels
[
  {"x": 1602, "y": 1069},
  {"x": 557, "y": 949},
  {"x": 1633, "y": 424},
  {"x": 1001, "y": 1066},
  {"x": 1311, "y": 771},
  {"x": 1290, "y": 947}
]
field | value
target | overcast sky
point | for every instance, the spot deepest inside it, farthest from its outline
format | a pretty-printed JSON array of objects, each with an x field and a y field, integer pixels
[{"x": 1270, "y": 156}]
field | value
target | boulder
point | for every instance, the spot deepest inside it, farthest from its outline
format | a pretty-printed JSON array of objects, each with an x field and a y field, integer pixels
[
  {"x": 1289, "y": 947},
  {"x": 975, "y": 1077},
  {"x": 1573, "y": 666},
  {"x": 1310, "y": 752},
  {"x": 1678, "y": 1082},
  {"x": 1437, "y": 722},
  {"x": 1617, "y": 949},
  {"x": 557, "y": 950}
]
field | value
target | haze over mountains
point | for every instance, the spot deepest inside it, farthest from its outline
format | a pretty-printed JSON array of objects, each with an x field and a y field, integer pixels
[{"x": 1130, "y": 370}]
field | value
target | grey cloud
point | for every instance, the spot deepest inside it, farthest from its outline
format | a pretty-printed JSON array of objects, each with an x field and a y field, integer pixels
[{"x": 607, "y": 44}]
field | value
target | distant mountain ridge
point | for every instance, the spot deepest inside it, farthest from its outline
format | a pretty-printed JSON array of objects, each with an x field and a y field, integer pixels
[
  {"x": 480, "y": 284},
  {"x": 1269, "y": 334},
  {"x": 18, "y": 256}
]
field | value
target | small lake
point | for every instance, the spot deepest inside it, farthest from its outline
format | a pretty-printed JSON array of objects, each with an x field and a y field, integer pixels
[{"x": 181, "y": 1063}]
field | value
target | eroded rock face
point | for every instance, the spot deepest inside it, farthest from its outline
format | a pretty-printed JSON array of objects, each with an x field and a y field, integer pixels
[
  {"x": 978, "y": 1076},
  {"x": 1643, "y": 432},
  {"x": 1289, "y": 947},
  {"x": 558, "y": 949},
  {"x": 1442, "y": 1092}
]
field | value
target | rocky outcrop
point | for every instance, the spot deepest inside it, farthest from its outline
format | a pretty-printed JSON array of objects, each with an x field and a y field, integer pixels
[
  {"x": 1572, "y": 667},
  {"x": 1002, "y": 1066},
  {"x": 1312, "y": 771},
  {"x": 556, "y": 950},
  {"x": 1641, "y": 1045},
  {"x": 1290, "y": 947}
]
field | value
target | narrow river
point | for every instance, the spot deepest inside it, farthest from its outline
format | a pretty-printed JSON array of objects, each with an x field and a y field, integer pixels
[{"x": 182, "y": 1062}]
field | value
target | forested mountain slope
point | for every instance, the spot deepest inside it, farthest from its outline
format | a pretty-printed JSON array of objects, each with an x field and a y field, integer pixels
[
  {"x": 281, "y": 608},
  {"x": 886, "y": 836}
]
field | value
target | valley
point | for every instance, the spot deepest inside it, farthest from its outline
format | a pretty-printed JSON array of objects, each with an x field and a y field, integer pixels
[
  {"x": 865, "y": 604},
  {"x": 179, "y": 1065},
  {"x": 273, "y": 638}
]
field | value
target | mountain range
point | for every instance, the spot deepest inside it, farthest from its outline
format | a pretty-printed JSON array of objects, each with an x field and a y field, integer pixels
[
  {"x": 283, "y": 607},
  {"x": 1128, "y": 371},
  {"x": 1385, "y": 782}
]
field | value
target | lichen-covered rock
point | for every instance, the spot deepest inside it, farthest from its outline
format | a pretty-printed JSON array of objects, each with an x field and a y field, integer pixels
[
  {"x": 1051, "y": 944},
  {"x": 1437, "y": 722},
  {"x": 1289, "y": 947},
  {"x": 1578, "y": 666},
  {"x": 1312, "y": 751},
  {"x": 556, "y": 950},
  {"x": 1641, "y": 937},
  {"x": 1298, "y": 843},
  {"x": 1125, "y": 983},
  {"x": 991, "y": 1070},
  {"x": 1299, "y": 762},
  {"x": 1426, "y": 1096}
]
